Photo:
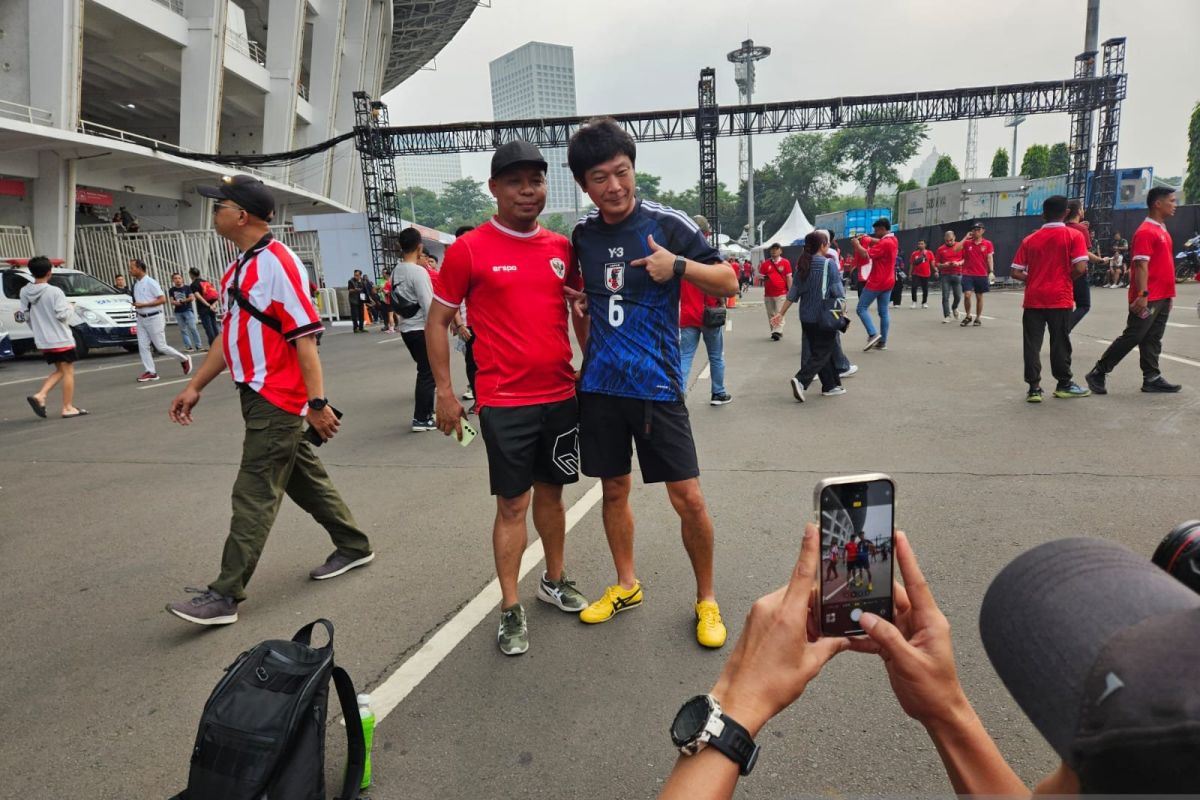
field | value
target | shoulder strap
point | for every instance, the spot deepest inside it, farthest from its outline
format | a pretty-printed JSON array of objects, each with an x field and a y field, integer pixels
[
  {"x": 356, "y": 745},
  {"x": 235, "y": 287},
  {"x": 824, "y": 278}
]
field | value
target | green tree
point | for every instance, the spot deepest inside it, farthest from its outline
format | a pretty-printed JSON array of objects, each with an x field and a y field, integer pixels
[
  {"x": 872, "y": 155},
  {"x": 901, "y": 188},
  {"x": 1059, "y": 161},
  {"x": 1000, "y": 163},
  {"x": 464, "y": 202},
  {"x": 647, "y": 185},
  {"x": 1191, "y": 183},
  {"x": 556, "y": 223},
  {"x": 943, "y": 172},
  {"x": 421, "y": 205},
  {"x": 1036, "y": 162},
  {"x": 803, "y": 171}
]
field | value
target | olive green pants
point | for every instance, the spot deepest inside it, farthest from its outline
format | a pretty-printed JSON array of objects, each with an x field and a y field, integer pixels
[{"x": 276, "y": 460}]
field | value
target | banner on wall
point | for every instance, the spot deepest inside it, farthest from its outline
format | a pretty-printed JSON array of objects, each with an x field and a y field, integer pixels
[
  {"x": 92, "y": 197},
  {"x": 12, "y": 187}
]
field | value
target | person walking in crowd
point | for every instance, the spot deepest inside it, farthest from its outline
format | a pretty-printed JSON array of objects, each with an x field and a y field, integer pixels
[
  {"x": 1151, "y": 293},
  {"x": 694, "y": 325},
  {"x": 1117, "y": 275},
  {"x": 1047, "y": 262},
  {"x": 949, "y": 265},
  {"x": 384, "y": 301},
  {"x": 920, "y": 270},
  {"x": 634, "y": 254},
  {"x": 148, "y": 302},
  {"x": 268, "y": 342},
  {"x": 977, "y": 271},
  {"x": 525, "y": 382},
  {"x": 882, "y": 277},
  {"x": 411, "y": 296},
  {"x": 358, "y": 290},
  {"x": 185, "y": 313},
  {"x": 1083, "y": 284},
  {"x": 898, "y": 287},
  {"x": 207, "y": 304},
  {"x": 777, "y": 279},
  {"x": 120, "y": 285},
  {"x": 45, "y": 309},
  {"x": 1112, "y": 692},
  {"x": 840, "y": 361},
  {"x": 817, "y": 278},
  {"x": 466, "y": 340},
  {"x": 745, "y": 276}
]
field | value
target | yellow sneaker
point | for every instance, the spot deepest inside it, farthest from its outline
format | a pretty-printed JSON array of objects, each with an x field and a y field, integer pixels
[
  {"x": 710, "y": 631},
  {"x": 615, "y": 600}
]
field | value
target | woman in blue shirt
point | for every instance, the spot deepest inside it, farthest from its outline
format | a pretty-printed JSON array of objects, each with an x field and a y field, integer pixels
[{"x": 813, "y": 269}]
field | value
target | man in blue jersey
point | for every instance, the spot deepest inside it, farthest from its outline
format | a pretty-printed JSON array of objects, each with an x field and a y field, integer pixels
[{"x": 633, "y": 255}]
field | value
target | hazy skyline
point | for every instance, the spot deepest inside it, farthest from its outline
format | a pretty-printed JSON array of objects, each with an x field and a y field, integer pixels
[{"x": 647, "y": 56}]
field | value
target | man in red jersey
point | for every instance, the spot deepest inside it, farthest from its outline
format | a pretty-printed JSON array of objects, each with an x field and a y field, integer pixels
[
  {"x": 949, "y": 264},
  {"x": 878, "y": 288},
  {"x": 1047, "y": 262},
  {"x": 268, "y": 341},
  {"x": 920, "y": 269},
  {"x": 977, "y": 271},
  {"x": 777, "y": 279},
  {"x": 1151, "y": 291},
  {"x": 512, "y": 274}
]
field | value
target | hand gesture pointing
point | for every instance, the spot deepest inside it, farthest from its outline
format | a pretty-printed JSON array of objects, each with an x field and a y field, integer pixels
[{"x": 660, "y": 264}]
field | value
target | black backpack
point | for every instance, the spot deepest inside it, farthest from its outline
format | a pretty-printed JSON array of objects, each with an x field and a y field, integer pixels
[{"x": 262, "y": 733}]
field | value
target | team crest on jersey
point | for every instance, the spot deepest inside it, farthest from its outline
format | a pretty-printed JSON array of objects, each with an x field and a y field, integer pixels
[
  {"x": 614, "y": 276},
  {"x": 559, "y": 267}
]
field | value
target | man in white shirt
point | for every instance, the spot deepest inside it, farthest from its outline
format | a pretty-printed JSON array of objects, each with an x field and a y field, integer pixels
[{"x": 148, "y": 302}]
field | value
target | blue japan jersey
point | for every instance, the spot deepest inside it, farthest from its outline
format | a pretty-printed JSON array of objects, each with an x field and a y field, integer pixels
[{"x": 633, "y": 345}]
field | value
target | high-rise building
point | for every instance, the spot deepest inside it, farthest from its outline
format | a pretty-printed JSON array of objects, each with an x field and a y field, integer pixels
[
  {"x": 428, "y": 172},
  {"x": 538, "y": 80}
]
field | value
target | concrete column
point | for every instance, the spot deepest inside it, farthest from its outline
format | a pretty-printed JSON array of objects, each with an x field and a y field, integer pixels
[
  {"x": 203, "y": 75},
  {"x": 54, "y": 207},
  {"x": 322, "y": 91},
  {"x": 346, "y": 180},
  {"x": 285, "y": 46},
  {"x": 56, "y": 56}
]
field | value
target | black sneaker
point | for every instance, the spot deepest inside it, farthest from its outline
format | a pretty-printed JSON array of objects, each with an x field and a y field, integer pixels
[
  {"x": 1160, "y": 384},
  {"x": 1095, "y": 382},
  {"x": 721, "y": 399},
  {"x": 776, "y": 336},
  {"x": 206, "y": 608},
  {"x": 338, "y": 564},
  {"x": 419, "y": 425},
  {"x": 797, "y": 390},
  {"x": 1034, "y": 395}
]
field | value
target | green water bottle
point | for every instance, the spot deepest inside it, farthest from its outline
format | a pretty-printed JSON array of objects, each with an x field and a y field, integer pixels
[{"x": 368, "y": 725}]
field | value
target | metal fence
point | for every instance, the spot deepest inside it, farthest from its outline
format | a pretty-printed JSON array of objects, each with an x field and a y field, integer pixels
[
  {"x": 16, "y": 241},
  {"x": 103, "y": 251},
  {"x": 24, "y": 113}
]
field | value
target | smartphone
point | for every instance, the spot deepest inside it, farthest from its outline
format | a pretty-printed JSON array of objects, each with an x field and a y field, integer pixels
[
  {"x": 468, "y": 434},
  {"x": 857, "y": 517},
  {"x": 313, "y": 437}
]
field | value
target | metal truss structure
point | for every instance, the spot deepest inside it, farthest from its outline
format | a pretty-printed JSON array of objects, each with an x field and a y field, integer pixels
[
  {"x": 379, "y": 180},
  {"x": 1081, "y": 132},
  {"x": 421, "y": 28},
  {"x": 1083, "y": 93},
  {"x": 707, "y": 119},
  {"x": 1104, "y": 180}
]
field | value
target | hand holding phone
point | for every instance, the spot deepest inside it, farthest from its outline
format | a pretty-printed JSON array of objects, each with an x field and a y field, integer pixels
[
  {"x": 311, "y": 434},
  {"x": 468, "y": 434}
]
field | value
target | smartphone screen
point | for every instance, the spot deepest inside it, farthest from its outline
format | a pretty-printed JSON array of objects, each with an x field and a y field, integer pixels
[{"x": 857, "y": 518}]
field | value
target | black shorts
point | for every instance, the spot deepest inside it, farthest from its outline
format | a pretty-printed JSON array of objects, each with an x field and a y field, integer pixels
[
  {"x": 531, "y": 443},
  {"x": 609, "y": 425},
  {"x": 60, "y": 356}
]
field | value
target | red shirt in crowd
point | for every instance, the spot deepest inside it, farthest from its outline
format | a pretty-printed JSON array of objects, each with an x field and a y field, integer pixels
[
  {"x": 883, "y": 264},
  {"x": 513, "y": 283},
  {"x": 273, "y": 281},
  {"x": 949, "y": 260},
  {"x": 692, "y": 302},
  {"x": 975, "y": 253},
  {"x": 775, "y": 276},
  {"x": 1152, "y": 243},
  {"x": 1083, "y": 229},
  {"x": 1047, "y": 255},
  {"x": 921, "y": 262}
]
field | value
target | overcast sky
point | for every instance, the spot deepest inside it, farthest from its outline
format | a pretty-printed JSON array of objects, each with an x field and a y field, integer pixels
[{"x": 647, "y": 55}]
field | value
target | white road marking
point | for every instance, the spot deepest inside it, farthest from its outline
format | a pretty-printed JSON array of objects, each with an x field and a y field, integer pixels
[
  {"x": 1177, "y": 359},
  {"x": 835, "y": 591},
  {"x": 985, "y": 316},
  {"x": 728, "y": 325},
  {"x": 389, "y": 341},
  {"x": 79, "y": 372},
  {"x": 409, "y": 675},
  {"x": 156, "y": 384},
  {"x": 704, "y": 374},
  {"x": 1181, "y": 325}
]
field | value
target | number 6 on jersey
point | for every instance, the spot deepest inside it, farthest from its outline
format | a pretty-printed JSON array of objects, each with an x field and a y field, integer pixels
[{"x": 616, "y": 314}]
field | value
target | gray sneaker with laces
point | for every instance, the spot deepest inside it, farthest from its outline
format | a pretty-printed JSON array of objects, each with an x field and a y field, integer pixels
[
  {"x": 206, "y": 608},
  {"x": 513, "y": 634},
  {"x": 339, "y": 564},
  {"x": 561, "y": 593}
]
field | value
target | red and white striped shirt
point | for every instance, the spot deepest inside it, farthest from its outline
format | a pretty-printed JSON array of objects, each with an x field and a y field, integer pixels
[{"x": 274, "y": 281}]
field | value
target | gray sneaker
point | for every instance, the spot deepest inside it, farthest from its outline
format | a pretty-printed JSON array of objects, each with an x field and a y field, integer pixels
[
  {"x": 561, "y": 593},
  {"x": 513, "y": 634},
  {"x": 206, "y": 608},
  {"x": 338, "y": 564}
]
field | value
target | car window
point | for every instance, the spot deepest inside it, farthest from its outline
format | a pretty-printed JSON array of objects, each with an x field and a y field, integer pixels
[
  {"x": 77, "y": 284},
  {"x": 13, "y": 283}
]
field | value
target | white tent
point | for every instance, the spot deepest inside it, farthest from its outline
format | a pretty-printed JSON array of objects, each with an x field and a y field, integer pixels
[{"x": 796, "y": 226}]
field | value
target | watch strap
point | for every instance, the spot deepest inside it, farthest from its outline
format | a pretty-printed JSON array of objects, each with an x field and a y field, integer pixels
[
  {"x": 680, "y": 265},
  {"x": 737, "y": 744},
  {"x": 318, "y": 403}
]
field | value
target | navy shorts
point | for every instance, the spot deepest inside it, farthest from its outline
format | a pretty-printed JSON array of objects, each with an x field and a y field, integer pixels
[
  {"x": 610, "y": 427},
  {"x": 976, "y": 283}
]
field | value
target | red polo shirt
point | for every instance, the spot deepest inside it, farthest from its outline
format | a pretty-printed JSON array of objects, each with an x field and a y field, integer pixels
[
  {"x": 1047, "y": 256},
  {"x": 921, "y": 262},
  {"x": 949, "y": 260},
  {"x": 883, "y": 264},
  {"x": 975, "y": 255},
  {"x": 1152, "y": 243},
  {"x": 775, "y": 276},
  {"x": 692, "y": 302}
]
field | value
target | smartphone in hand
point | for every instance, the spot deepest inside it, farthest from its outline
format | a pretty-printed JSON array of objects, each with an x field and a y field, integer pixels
[
  {"x": 468, "y": 434},
  {"x": 311, "y": 434},
  {"x": 856, "y": 514}
]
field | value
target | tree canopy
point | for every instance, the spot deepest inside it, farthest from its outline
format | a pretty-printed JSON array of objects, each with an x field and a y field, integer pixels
[
  {"x": 872, "y": 155},
  {"x": 944, "y": 172},
  {"x": 1191, "y": 183},
  {"x": 1036, "y": 163},
  {"x": 1000, "y": 163},
  {"x": 1059, "y": 159}
]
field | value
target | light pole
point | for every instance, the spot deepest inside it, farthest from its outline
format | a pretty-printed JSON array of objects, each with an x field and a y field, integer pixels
[
  {"x": 744, "y": 58},
  {"x": 1013, "y": 122}
]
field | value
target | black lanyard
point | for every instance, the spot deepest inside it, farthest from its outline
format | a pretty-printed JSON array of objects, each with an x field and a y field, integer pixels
[{"x": 235, "y": 286}]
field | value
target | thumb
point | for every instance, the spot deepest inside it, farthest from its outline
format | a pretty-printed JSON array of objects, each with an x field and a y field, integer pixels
[
  {"x": 653, "y": 244},
  {"x": 884, "y": 634}
]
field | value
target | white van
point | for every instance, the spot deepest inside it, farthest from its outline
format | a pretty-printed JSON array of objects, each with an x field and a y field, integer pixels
[{"x": 103, "y": 316}]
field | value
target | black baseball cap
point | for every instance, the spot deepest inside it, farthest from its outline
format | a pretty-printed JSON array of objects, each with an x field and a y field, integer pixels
[
  {"x": 247, "y": 191},
  {"x": 516, "y": 152},
  {"x": 1099, "y": 648},
  {"x": 976, "y": 225}
]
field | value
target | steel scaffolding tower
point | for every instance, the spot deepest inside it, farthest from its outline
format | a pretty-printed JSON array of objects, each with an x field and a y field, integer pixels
[
  {"x": 707, "y": 120},
  {"x": 379, "y": 179},
  {"x": 1081, "y": 130},
  {"x": 1104, "y": 181}
]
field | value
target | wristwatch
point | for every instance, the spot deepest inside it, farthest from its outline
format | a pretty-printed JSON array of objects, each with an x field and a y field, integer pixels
[
  {"x": 700, "y": 723},
  {"x": 1145, "y": 293},
  {"x": 317, "y": 403},
  {"x": 680, "y": 266}
]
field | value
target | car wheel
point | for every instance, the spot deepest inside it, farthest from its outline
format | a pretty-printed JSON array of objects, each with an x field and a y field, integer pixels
[{"x": 81, "y": 345}]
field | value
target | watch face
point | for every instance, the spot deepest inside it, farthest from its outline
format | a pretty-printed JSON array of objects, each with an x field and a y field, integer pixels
[{"x": 689, "y": 722}]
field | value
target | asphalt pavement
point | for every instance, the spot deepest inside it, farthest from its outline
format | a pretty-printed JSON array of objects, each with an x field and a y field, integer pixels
[{"x": 108, "y": 517}]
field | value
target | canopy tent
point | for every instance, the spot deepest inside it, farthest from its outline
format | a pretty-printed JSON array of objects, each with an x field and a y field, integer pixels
[
  {"x": 729, "y": 247},
  {"x": 794, "y": 228}
]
